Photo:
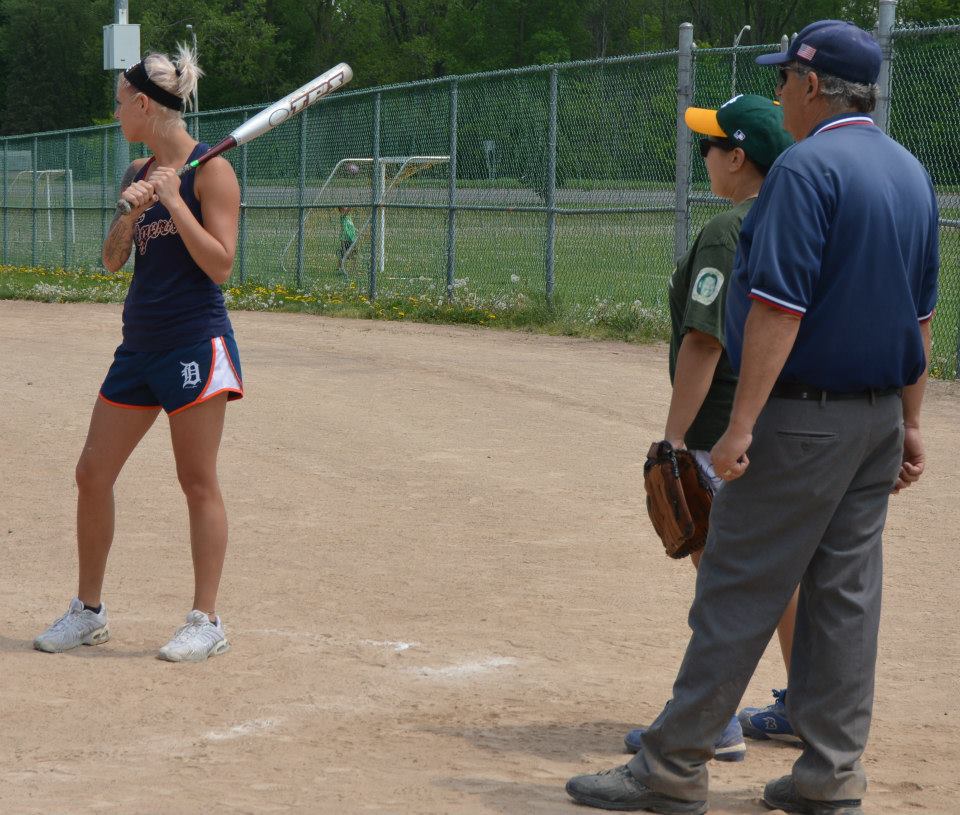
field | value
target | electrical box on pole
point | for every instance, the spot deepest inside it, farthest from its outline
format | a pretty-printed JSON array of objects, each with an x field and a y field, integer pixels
[{"x": 121, "y": 46}]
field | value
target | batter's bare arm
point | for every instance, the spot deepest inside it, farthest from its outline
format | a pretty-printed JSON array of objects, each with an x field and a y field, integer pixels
[{"x": 116, "y": 248}]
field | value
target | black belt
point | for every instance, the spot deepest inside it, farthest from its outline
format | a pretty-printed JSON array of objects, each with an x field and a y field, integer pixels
[{"x": 797, "y": 390}]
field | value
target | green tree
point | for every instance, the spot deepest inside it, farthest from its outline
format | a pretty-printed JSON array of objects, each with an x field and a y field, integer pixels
[
  {"x": 255, "y": 50},
  {"x": 717, "y": 22},
  {"x": 315, "y": 35},
  {"x": 49, "y": 86},
  {"x": 51, "y": 52},
  {"x": 239, "y": 48}
]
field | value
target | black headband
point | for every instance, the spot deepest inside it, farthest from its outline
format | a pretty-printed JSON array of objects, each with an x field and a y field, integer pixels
[{"x": 137, "y": 76}]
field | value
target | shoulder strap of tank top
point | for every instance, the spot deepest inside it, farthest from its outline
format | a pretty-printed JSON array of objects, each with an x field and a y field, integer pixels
[
  {"x": 189, "y": 178},
  {"x": 197, "y": 151},
  {"x": 143, "y": 170}
]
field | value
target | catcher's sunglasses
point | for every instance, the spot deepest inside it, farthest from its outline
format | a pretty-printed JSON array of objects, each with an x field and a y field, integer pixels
[{"x": 724, "y": 144}]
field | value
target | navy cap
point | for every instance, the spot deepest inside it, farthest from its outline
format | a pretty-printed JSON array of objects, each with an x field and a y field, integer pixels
[{"x": 835, "y": 47}]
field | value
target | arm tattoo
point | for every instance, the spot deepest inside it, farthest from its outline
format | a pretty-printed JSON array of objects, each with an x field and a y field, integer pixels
[{"x": 117, "y": 246}]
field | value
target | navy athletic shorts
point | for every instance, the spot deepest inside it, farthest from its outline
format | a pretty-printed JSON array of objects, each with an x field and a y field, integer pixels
[{"x": 174, "y": 379}]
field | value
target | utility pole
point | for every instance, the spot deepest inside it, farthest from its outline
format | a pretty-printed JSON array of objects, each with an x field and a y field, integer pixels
[
  {"x": 121, "y": 9},
  {"x": 121, "y": 50}
]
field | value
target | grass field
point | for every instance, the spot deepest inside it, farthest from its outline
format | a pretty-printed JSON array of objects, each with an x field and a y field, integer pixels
[
  {"x": 610, "y": 268},
  {"x": 624, "y": 256}
]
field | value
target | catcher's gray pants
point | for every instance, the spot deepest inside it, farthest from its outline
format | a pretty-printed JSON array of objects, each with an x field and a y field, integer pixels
[{"x": 810, "y": 509}]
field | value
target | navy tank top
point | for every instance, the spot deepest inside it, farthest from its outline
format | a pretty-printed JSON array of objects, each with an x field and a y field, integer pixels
[{"x": 171, "y": 301}]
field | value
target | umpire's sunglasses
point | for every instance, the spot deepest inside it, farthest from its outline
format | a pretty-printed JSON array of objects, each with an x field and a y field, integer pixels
[
  {"x": 784, "y": 74},
  {"x": 709, "y": 141}
]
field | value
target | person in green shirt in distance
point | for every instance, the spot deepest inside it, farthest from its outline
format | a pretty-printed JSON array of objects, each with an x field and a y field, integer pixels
[{"x": 348, "y": 236}]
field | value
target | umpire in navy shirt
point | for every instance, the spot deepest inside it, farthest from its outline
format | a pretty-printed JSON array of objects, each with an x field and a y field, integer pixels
[{"x": 828, "y": 321}]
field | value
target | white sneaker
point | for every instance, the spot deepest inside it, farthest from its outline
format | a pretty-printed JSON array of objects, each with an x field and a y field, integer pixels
[
  {"x": 79, "y": 626},
  {"x": 196, "y": 640}
]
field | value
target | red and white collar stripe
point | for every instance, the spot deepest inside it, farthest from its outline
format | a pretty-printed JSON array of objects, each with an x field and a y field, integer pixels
[{"x": 845, "y": 122}]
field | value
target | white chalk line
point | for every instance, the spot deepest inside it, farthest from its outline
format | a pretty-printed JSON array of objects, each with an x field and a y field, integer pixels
[
  {"x": 287, "y": 633},
  {"x": 393, "y": 646},
  {"x": 465, "y": 669},
  {"x": 251, "y": 728},
  {"x": 461, "y": 670}
]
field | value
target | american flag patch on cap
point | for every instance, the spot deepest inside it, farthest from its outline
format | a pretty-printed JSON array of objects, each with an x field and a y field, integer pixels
[{"x": 806, "y": 52}]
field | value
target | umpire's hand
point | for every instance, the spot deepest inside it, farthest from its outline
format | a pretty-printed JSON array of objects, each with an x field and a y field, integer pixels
[
  {"x": 729, "y": 454},
  {"x": 913, "y": 459}
]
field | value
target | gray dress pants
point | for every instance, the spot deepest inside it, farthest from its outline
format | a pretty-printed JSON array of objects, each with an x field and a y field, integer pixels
[{"x": 809, "y": 510}]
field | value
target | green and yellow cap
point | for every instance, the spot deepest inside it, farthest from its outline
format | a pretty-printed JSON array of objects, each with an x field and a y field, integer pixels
[{"x": 751, "y": 122}]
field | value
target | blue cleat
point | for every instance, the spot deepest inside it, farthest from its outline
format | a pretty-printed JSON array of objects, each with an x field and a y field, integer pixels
[
  {"x": 729, "y": 747},
  {"x": 769, "y": 722}
]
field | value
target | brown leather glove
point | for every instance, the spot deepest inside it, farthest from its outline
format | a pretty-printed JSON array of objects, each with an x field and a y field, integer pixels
[{"x": 679, "y": 496}]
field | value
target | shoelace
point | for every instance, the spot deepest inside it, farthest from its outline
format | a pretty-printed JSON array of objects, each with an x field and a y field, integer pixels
[
  {"x": 69, "y": 621},
  {"x": 191, "y": 631}
]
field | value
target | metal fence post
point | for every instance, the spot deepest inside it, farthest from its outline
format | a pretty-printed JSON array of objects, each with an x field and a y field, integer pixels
[
  {"x": 104, "y": 158},
  {"x": 375, "y": 199},
  {"x": 452, "y": 192},
  {"x": 5, "y": 204},
  {"x": 551, "y": 183},
  {"x": 33, "y": 204},
  {"x": 681, "y": 223},
  {"x": 123, "y": 157},
  {"x": 888, "y": 16},
  {"x": 67, "y": 209},
  {"x": 242, "y": 241},
  {"x": 301, "y": 196}
]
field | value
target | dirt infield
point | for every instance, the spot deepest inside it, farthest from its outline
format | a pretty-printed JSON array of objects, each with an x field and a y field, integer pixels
[{"x": 442, "y": 592}]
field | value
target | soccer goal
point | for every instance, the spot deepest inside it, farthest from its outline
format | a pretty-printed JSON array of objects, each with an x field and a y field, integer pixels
[
  {"x": 24, "y": 184},
  {"x": 350, "y": 185}
]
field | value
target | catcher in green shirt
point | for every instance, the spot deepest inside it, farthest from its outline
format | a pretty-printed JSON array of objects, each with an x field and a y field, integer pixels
[
  {"x": 740, "y": 142},
  {"x": 703, "y": 381}
]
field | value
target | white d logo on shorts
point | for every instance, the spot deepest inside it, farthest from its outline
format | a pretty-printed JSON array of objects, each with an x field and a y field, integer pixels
[
  {"x": 707, "y": 286},
  {"x": 191, "y": 374}
]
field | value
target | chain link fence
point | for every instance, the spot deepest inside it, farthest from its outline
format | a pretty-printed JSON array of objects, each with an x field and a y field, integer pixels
[
  {"x": 720, "y": 73},
  {"x": 925, "y": 118},
  {"x": 575, "y": 183}
]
